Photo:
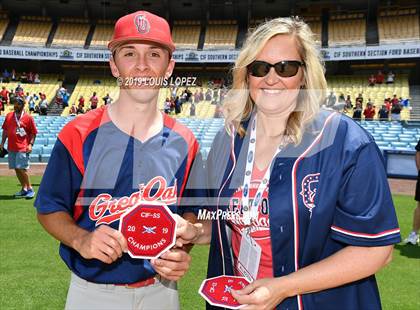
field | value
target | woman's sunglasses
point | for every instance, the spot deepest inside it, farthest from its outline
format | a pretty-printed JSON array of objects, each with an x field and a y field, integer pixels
[{"x": 285, "y": 68}]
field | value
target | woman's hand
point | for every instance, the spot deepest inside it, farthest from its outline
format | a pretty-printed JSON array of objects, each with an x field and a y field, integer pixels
[{"x": 265, "y": 293}]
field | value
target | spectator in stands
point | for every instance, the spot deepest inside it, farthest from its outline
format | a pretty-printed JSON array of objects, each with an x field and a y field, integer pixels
[
  {"x": 380, "y": 77},
  {"x": 395, "y": 100},
  {"x": 383, "y": 113},
  {"x": 372, "y": 80},
  {"x": 6, "y": 76},
  {"x": 80, "y": 110},
  {"x": 390, "y": 77},
  {"x": 348, "y": 105},
  {"x": 209, "y": 95},
  {"x": 32, "y": 102},
  {"x": 19, "y": 128},
  {"x": 396, "y": 112},
  {"x": 167, "y": 106},
  {"x": 4, "y": 96},
  {"x": 24, "y": 77},
  {"x": 357, "y": 112},
  {"x": 413, "y": 236},
  {"x": 18, "y": 89},
  {"x": 107, "y": 99},
  {"x": 369, "y": 112},
  {"x": 196, "y": 96},
  {"x": 66, "y": 97},
  {"x": 73, "y": 110},
  {"x": 332, "y": 99},
  {"x": 178, "y": 105},
  {"x": 28, "y": 98},
  {"x": 93, "y": 101},
  {"x": 201, "y": 94},
  {"x": 360, "y": 98},
  {"x": 37, "y": 79},
  {"x": 13, "y": 75},
  {"x": 43, "y": 104},
  {"x": 30, "y": 77},
  {"x": 405, "y": 103},
  {"x": 81, "y": 102},
  {"x": 59, "y": 97},
  {"x": 192, "y": 109},
  {"x": 387, "y": 104},
  {"x": 341, "y": 98}
]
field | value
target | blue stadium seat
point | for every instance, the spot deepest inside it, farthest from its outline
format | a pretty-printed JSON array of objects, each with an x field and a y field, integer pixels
[
  {"x": 398, "y": 144},
  {"x": 382, "y": 144},
  {"x": 41, "y": 141},
  {"x": 46, "y": 150},
  {"x": 389, "y": 139},
  {"x": 51, "y": 141},
  {"x": 43, "y": 158}
]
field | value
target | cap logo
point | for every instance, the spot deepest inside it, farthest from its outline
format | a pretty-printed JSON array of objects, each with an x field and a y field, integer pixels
[{"x": 142, "y": 24}]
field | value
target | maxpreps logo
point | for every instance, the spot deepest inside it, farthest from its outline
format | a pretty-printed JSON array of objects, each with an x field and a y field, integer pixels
[{"x": 106, "y": 210}]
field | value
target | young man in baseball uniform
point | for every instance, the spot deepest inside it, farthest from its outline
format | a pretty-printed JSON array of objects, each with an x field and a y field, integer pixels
[{"x": 106, "y": 161}]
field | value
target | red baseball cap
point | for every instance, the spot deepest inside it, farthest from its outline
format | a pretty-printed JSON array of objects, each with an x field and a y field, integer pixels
[{"x": 142, "y": 26}]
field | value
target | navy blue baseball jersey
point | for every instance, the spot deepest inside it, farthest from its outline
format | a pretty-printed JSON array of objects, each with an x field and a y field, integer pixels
[
  {"x": 96, "y": 172},
  {"x": 326, "y": 193}
]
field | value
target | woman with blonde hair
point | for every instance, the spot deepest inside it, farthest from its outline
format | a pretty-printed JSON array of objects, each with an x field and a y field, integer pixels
[{"x": 309, "y": 219}]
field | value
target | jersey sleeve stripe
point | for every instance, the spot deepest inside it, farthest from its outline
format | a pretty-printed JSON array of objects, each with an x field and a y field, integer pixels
[
  {"x": 365, "y": 235},
  {"x": 75, "y": 133}
]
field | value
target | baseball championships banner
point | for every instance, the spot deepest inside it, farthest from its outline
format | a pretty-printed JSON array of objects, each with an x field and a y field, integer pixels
[{"x": 411, "y": 50}]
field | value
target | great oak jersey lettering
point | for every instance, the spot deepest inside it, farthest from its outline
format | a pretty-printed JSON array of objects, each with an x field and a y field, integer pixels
[
  {"x": 324, "y": 194},
  {"x": 96, "y": 172}
]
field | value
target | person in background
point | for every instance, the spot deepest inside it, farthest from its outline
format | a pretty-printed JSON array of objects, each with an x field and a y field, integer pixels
[
  {"x": 93, "y": 101},
  {"x": 372, "y": 80},
  {"x": 380, "y": 77},
  {"x": 413, "y": 236},
  {"x": 383, "y": 113},
  {"x": 396, "y": 112},
  {"x": 107, "y": 99},
  {"x": 357, "y": 112},
  {"x": 390, "y": 78},
  {"x": 19, "y": 128},
  {"x": 369, "y": 111},
  {"x": 360, "y": 98}
]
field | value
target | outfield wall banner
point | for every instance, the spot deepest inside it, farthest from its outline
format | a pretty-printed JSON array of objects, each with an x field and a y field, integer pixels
[{"x": 411, "y": 50}]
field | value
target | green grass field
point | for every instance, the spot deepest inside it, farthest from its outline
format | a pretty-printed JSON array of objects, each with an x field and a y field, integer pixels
[{"x": 33, "y": 276}]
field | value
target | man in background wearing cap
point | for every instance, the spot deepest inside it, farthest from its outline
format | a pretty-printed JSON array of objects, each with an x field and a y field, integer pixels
[
  {"x": 19, "y": 127},
  {"x": 111, "y": 157}
]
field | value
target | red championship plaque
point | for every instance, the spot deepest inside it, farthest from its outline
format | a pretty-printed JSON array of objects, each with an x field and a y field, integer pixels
[
  {"x": 217, "y": 291},
  {"x": 150, "y": 230}
]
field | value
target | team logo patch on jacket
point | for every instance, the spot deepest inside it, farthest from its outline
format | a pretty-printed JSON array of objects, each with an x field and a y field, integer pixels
[{"x": 309, "y": 189}]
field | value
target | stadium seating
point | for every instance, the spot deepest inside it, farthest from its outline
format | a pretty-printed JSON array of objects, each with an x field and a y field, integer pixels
[
  {"x": 102, "y": 34},
  {"x": 398, "y": 25},
  {"x": 314, "y": 23},
  {"x": 4, "y": 21},
  {"x": 89, "y": 84},
  {"x": 221, "y": 34},
  {"x": 346, "y": 29},
  {"x": 354, "y": 85},
  {"x": 388, "y": 135},
  {"x": 186, "y": 34},
  {"x": 32, "y": 30},
  {"x": 49, "y": 85},
  {"x": 71, "y": 32}
]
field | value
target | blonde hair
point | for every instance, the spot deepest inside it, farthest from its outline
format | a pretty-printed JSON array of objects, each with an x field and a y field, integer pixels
[{"x": 238, "y": 105}]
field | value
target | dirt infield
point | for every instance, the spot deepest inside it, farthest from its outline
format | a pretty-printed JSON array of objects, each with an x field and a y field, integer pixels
[{"x": 398, "y": 186}]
